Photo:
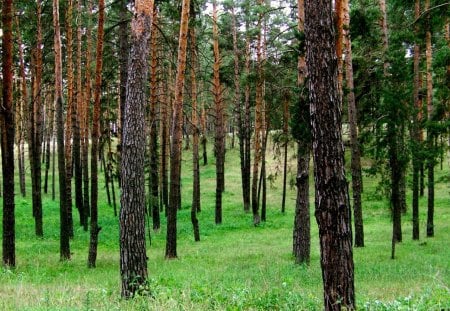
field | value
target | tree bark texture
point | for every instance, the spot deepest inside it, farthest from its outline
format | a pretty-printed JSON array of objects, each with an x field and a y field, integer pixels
[
  {"x": 353, "y": 124},
  {"x": 332, "y": 210},
  {"x": 153, "y": 143},
  {"x": 195, "y": 208},
  {"x": 302, "y": 222},
  {"x": 95, "y": 136},
  {"x": 133, "y": 259},
  {"x": 7, "y": 137},
  {"x": 176, "y": 131},
  {"x": 219, "y": 144},
  {"x": 76, "y": 125},
  {"x": 416, "y": 128},
  {"x": 69, "y": 112},
  {"x": 63, "y": 202}
]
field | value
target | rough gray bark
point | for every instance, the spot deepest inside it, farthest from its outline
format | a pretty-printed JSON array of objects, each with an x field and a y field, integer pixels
[
  {"x": 332, "y": 210},
  {"x": 133, "y": 259}
]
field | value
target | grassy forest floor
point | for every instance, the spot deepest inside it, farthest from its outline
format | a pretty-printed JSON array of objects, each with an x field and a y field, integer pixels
[{"x": 235, "y": 266}]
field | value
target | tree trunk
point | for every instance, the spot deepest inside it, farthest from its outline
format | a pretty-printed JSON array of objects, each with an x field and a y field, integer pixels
[
  {"x": 430, "y": 135},
  {"x": 95, "y": 136},
  {"x": 20, "y": 115},
  {"x": 302, "y": 222},
  {"x": 332, "y": 210},
  {"x": 247, "y": 128},
  {"x": 85, "y": 120},
  {"x": 153, "y": 144},
  {"x": 123, "y": 58},
  {"x": 176, "y": 131},
  {"x": 219, "y": 145},
  {"x": 76, "y": 112},
  {"x": 195, "y": 208},
  {"x": 258, "y": 121},
  {"x": 133, "y": 258},
  {"x": 7, "y": 137},
  {"x": 416, "y": 128},
  {"x": 69, "y": 112},
  {"x": 285, "y": 148},
  {"x": 353, "y": 124},
  {"x": 64, "y": 219}
]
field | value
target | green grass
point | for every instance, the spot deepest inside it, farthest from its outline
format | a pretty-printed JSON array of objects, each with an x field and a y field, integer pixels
[{"x": 235, "y": 266}]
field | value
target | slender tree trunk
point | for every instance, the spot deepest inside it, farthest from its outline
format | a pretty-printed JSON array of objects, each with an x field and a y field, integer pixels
[
  {"x": 165, "y": 145},
  {"x": 195, "y": 137},
  {"x": 7, "y": 137},
  {"x": 416, "y": 137},
  {"x": 238, "y": 110},
  {"x": 220, "y": 135},
  {"x": 430, "y": 135},
  {"x": 285, "y": 147},
  {"x": 21, "y": 114},
  {"x": 153, "y": 144},
  {"x": 133, "y": 258},
  {"x": 85, "y": 120},
  {"x": 247, "y": 128},
  {"x": 50, "y": 129},
  {"x": 176, "y": 131},
  {"x": 123, "y": 58},
  {"x": 70, "y": 104},
  {"x": 353, "y": 124},
  {"x": 258, "y": 121},
  {"x": 95, "y": 136},
  {"x": 64, "y": 219},
  {"x": 332, "y": 210},
  {"x": 76, "y": 112},
  {"x": 302, "y": 222}
]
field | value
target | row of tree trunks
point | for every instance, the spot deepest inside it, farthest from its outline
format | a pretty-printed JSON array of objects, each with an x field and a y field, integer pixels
[
  {"x": 176, "y": 133},
  {"x": 133, "y": 258}
]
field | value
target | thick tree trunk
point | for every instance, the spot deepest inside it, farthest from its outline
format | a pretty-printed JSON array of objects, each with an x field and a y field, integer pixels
[
  {"x": 176, "y": 131},
  {"x": 133, "y": 258},
  {"x": 353, "y": 124},
  {"x": 7, "y": 137},
  {"x": 219, "y": 145},
  {"x": 95, "y": 136},
  {"x": 332, "y": 210},
  {"x": 64, "y": 219}
]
